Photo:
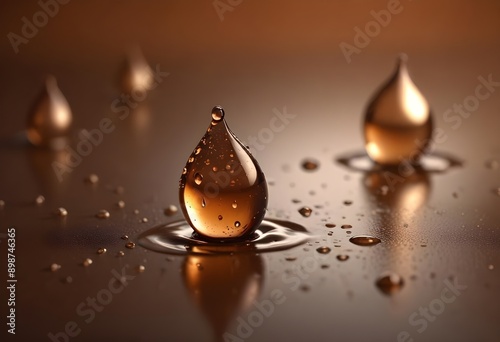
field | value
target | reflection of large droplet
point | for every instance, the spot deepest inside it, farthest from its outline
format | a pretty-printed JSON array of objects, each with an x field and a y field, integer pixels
[
  {"x": 398, "y": 122},
  {"x": 219, "y": 173},
  {"x": 136, "y": 74},
  {"x": 50, "y": 118}
]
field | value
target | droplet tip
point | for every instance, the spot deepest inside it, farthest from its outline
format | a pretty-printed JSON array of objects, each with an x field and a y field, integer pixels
[{"x": 217, "y": 113}]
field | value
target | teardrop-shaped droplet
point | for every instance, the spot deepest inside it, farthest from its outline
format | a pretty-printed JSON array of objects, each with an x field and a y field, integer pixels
[
  {"x": 233, "y": 176},
  {"x": 136, "y": 75},
  {"x": 50, "y": 118},
  {"x": 398, "y": 121},
  {"x": 389, "y": 283},
  {"x": 365, "y": 240}
]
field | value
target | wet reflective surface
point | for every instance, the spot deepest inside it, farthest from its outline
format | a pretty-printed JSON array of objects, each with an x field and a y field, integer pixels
[{"x": 295, "y": 99}]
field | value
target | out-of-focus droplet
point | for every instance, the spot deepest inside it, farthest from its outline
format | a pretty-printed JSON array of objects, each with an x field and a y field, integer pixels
[
  {"x": 365, "y": 240},
  {"x": 61, "y": 212},
  {"x": 310, "y": 165},
  {"x": 346, "y": 226},
  {"x": 120, "y": 204},
  {"x": 491, "y": 267},
  {"x": 305, "y": 211},
  {"x": 130, "y": 245},
  {"x": 398, "y": 121},
  {"x": 290, "y": 258},
  {"x": 323, "y": 250},
  {"x": 330, "y": 225},
  {"x": 103, "y": 214},
  {"x": 136, "y": 74},
  {"x": 39, "y": 200},
  {"x": 342, "y": 257},
  {"x": 141, "y": 268},
  {"x": 92, "y": 178},
  {"x": 144, "y": 220},
  {"x": 2, "y": 203},
  {"x": 347, "y": 202},
  {"x": 170, "y": 210},
  {"x": 390, "y": 283},
  {"x": 87, "y": 262},
  {"x": 101, "y": 250},
  {"x": 55, "y": 267},
  {"x": 50, "y": 117},
  {"x": 492, "y": 164},
  {"x": 120, "y": 254},
  {"x": 239, "y": 179}
]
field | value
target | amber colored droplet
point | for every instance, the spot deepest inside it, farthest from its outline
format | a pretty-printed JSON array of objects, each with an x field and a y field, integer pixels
[
  {"x": 136, "y": 75},
  {"x": 49, "y": 119},
  {"x": 398, "y": 122},
  {"x": 92, "y": 178},
  {"x": 103, "y": 214},
  {"x": 170, "y": 210},
  {"x": 141, "y": 268},
  {"x": 144, "y": 220},
  {"x": 120, "y": 254},
  {"x": 130, "y": 245},
  {"x": 346, "y": 226},
  {"x": 124, "y": 237},
  {"x": 365, "y": 240},
  {"x": 55, "y": 267},
  {"x": 390, "y": 283},
  {"x": 310, "y": 165},
  {"x": 330, "y": 225},
  {"x": 207, "y": 196},
  {"x": 323, "y": 250},
  {"x": 305, "y": 211},
  {"x": 101, "y": 250},
  {"x": 61, "y": 212},
  {"x": 39, "y": 200},
  {"x": 120, "y": 204},
  {"x": 87, "y": 262},
  {"x": 342, "y": 257}
]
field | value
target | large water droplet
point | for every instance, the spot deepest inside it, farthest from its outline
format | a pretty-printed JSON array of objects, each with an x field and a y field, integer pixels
[
  {"x": 365, "y": 240},
  {"x": 233, "y": 176},
  {"x": 389, "y": 283},
  {"x": 50, "y": 117},
  {"x": 396, "y": 118}
]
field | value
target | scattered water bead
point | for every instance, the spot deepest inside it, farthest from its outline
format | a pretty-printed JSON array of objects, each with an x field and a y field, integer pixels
[
  {"x": 330, "y": 225},
  {"x": 347, "y": 202},
  {"x": 50, "y": 117},
  {"x": 119, "y": 190},
  {"x": 136, "y": 211},
  {"x": 144, "y": 220},
  {"x": 124, "y": 237},
  {"x": 92, "y": 178},
  {"x": 491, "y": 267},
  {"x": 141, "y": 268},
  {"x": 68, "y": 280},
  {"x": 2, "y": 203},
  {"x": 120, "y": 204},
  {"x": 492, "y": 164},
  {"x": 136, "y": 75},
  {"x": 323, "y": 250},
  {"x": 55, "y": 267},
  {"x": 346, "y": 226},
  {"x": 87, "y": 262},
  {"x": 39, "y": 200},
  {"x": 101, "y": 250},
  {"x": 342, "y": 257},
  {"x": 390, "y": 283},
  {"x": 207, "y": 196},
  {"x": 305, "y": 211},
  {"x": 291, "y": 258},
  {"x": 396, "y": 118},
  {"x": 170, "y": 210},
  {"x": 120, "y": 254},
  {"x": 310, "y": 164},
  {"x": 130, "y": 245},
  {"x": 234, "y": 205},
  {"x": 61, "y": 212},
  {"x": 102, "y": 214},
  {"x": 365, "y": 240}
]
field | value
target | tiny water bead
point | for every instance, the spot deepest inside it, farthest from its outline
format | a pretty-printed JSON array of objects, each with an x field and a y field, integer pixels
[
  {"x": 330, "y": 225},
  {"x": 365, "y": 240},
  {"x": 171, "y": 209},
  {"x": 130, "y": 245},
  {"x": 103, "y": 214},
  {"x": 87, "y": 262},
  {"x": 346, "y": 226},
  {"x": 390, "y": 283},
  {"x": 310, "y": 164},
  {"x": 92, "y": 179},
  {"x": 323, "y": 250},
  {"x": 397, "y": 117},
  {"x": 39, "y": 200},
  {"x": 61, "y": 212},
  {"x": 342, "y": 257},
  {"x": 55, "y": 267},
  {"x": 225, "y": 198},
  {"x": 50, "y": 117},
  {"x": 101, "y": 250},
  {"x": 305, "y": 211},
  {"x": 136, "y": 74}
]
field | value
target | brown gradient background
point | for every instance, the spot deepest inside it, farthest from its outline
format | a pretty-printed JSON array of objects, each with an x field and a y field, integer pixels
[{"x": 264, "y": 55}]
